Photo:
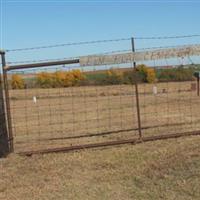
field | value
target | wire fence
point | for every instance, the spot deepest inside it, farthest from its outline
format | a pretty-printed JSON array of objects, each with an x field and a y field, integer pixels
[
  {"x": 69, "y": 106},
  {"x": 72, "y": 115}
]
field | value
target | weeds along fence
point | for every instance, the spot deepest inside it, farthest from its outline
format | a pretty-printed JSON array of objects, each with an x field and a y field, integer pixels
[{"x": 63, "y": 105}]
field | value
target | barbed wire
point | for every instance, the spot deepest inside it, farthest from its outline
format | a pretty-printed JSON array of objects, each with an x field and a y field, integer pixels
[
  {"x": 166, "y": 47},
  {"x": 167, "y": 37},
  {"x": 68, "y": 44},
  {"x": 99, "y": 41},
  {"x": 98, "y": 54}
]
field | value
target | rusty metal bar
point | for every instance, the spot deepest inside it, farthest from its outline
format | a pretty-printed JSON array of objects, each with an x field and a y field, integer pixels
[
  {"x": 103, "y": 133},
  {"x": 7, "y": 101},
  {"x": 4, "y": 140},
  {"x": 198, "y": 85},
  {"x": 108, "y": 132},
  {"x": 137, "y": 93},
  {"x": 111, "y": 143},
  {"x": 41, "y": 64}
]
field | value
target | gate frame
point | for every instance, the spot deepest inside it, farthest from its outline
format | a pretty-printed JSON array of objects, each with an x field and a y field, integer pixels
[
  {"x": 140, "y": 138},
  {"x": 65, "y": 62}
]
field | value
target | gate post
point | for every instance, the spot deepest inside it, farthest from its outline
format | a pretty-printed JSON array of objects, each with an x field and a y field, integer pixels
[
  {"x": 4, "y": 135},
  {"x": 136, "y": 92},
  {"x": 7, "y": 104}
]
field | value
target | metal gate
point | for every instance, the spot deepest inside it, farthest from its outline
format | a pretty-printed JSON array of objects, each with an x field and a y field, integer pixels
[
  {"x": 47, "y": 116},
  {"x": 61, "y": 106}
]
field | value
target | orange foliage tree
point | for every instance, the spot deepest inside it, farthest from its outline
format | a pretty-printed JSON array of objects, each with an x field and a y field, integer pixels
[
  {"x": 151, "y": 75},
  {"x": 147, "y": 74},
  {"x": 59, "y": 79},
  {"x": 17, "y": 82}
]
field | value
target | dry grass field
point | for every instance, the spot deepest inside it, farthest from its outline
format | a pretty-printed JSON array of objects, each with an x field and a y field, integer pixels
[
  {"x": 167, "y": 169},
  {"x": 98, "y": 110}
]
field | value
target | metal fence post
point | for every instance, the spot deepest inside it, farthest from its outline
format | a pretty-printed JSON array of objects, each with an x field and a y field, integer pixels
[
  {"x": 136, "y": 92},
  {"x": 198, "y": 85},
  {"x": 4, "y": 138},
  {"x": 7, "y": 103}
]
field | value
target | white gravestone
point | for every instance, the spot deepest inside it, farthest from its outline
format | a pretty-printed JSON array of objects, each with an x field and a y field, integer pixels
[
  {"x": 34, "y": 99},
  {"x": 155, "y": 90}
]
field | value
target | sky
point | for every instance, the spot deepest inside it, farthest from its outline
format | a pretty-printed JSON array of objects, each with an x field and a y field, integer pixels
[{"x": 39, "y": 23}]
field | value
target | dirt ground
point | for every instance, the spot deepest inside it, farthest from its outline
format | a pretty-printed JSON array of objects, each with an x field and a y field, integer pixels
[{"x": 81, "y": 111}]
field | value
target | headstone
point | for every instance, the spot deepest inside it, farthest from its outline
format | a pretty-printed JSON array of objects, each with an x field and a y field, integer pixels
[
  {"x": 155, "y": 90},
  {"x": 34, "y": 99}
]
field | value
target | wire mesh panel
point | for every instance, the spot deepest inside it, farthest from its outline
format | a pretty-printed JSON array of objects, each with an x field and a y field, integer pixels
[
  {"x": 69, "y": 106},
  {"x": 55, "y": 107},
  {"x": 173, "y": 108}
]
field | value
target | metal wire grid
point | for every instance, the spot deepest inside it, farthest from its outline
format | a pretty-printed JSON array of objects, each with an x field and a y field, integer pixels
[
  {"x": 86, "y": 114},
  {"x": 173, "y": 108},
  {"x": 168, "y": 112},
  {"x": 72, "y": 115}
]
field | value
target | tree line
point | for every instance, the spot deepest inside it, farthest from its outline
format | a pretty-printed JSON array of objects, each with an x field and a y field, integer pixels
[{"x": 142, "y": 74}]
